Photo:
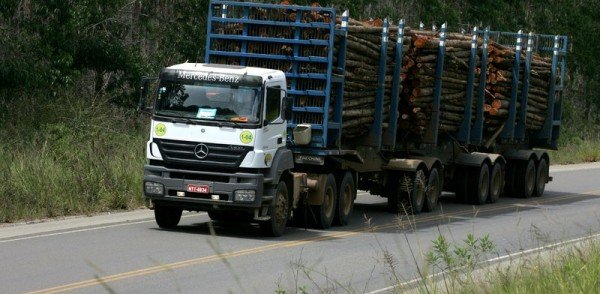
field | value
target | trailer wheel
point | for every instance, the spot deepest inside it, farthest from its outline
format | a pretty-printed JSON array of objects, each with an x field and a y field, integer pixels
[
  {"x": 524, "y": 179},
  {"x": 167, "y": 217},
  {"x": 324, "y": 213},
  {"x": 496, "y": 183},
  {"x": 345, "y": 203},
  {"x": 416, "y": 196},
  {"x": 434, "y": 190},
  {"x": 278, "y": 211},
  {"x": 479, "y": 186},
  {"x": 541, "y": 178},
  {"x": 394, "y": 191}
]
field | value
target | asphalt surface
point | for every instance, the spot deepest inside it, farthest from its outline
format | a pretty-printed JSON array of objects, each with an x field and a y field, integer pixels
[{"x": 128, "y": 253}]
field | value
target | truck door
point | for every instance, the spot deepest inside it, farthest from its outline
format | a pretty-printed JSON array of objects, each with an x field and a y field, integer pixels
[{"x": 274, "y": 125}]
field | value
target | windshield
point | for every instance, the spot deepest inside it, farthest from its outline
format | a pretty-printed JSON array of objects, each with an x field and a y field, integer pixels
[{"x": 220, "y": 102}]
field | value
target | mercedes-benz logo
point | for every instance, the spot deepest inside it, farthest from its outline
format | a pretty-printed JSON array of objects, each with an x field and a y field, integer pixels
[{"x": 201, "y": 151}]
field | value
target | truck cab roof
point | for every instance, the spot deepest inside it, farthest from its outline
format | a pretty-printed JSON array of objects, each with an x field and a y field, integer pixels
[{"x": 230, "y": 69}]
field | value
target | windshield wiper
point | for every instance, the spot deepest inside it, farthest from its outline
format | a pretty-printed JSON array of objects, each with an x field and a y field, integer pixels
[
  {"x": 228, "y": 124},
  {"x": 183, "y": 120}
]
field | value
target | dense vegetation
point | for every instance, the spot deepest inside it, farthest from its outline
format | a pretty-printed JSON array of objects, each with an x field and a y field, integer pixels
[{"x": 71, "y": 141}]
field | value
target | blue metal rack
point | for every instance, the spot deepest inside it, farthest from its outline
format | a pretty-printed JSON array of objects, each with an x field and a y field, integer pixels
[
  {"x": 249, "y": 34},
  {"x": 476, "y": 137},
  {"x": 389, "y": 137},
  {"x": 431, "y": 136},
  {"x": 464, "y": 132}
]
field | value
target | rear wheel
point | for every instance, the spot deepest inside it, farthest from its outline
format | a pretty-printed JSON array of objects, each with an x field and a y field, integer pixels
[
  {"x": 479, "y": 184},
  {"x": 496, "y": 183},
  {"x": 524, "y": 179},
  {"x": 345, "y": 203},
  {"x": 394, "y": 191},
  {"x": 278, "y": 211},
  {"x": 325, "y": 212},
  {"x": 541, "y": 178},
  {"x": 434, "y": 190},
  {"x": 416, "y": 195},
  {"x": 167, "y": 217}
]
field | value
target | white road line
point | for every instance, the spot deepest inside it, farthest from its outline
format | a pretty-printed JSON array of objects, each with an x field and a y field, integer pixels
[
  {"x": 492, "y": 260},
  {"x": 88, "y": 229}
]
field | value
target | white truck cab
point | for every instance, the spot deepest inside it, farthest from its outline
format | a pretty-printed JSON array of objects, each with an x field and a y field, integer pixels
[{"x": 216, "y": 133}]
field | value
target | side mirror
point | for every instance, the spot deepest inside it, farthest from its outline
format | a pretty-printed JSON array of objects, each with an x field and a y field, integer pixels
[
  {"x": 287, "y": 108},
  {"x": 142, "y": 107}
]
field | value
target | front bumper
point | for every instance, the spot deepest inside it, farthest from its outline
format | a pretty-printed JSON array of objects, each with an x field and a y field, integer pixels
[{"x": 221, "y": 185}]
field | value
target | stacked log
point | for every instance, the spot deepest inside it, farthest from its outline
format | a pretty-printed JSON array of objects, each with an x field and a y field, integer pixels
[
  {"x": 419, "y": 86},
  {"x": 499, "y": 87},
  {"x": 363, "y": 53}
]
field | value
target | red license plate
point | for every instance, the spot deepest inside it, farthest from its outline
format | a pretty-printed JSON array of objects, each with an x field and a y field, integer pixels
[{"x": 198, "y": 188}]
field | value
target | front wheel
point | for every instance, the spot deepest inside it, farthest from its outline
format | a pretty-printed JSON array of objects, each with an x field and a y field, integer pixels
[
  {"x": 278, "y": 211},
  {"x": 167, "y": 217}
]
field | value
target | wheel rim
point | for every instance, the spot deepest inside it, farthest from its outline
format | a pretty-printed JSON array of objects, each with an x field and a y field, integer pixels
[
  {"x": 543, "y": 176},
  {"x": 496, "y": 183},
  {"x": 433, "y": 190},
  {"x": 347, "y": 196},
  {"x": 419, "y": 192},
  {"x": 530, "y": 178},
  {"x": 328, "y": 202},
  {"x": 484, "y": 182}
]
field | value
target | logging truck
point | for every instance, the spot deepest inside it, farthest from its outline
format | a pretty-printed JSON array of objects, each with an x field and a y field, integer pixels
[{"x": 295, "y": 108}]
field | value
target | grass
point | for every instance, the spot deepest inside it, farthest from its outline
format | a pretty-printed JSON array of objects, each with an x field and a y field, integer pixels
[
  {"x": 69, "y": 156},
  {"x": 567, "y": 270},
  {"x": 577, "y": 151}
]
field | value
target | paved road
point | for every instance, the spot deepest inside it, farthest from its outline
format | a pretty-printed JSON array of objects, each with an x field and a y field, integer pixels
[{"x": 126, "y": 252}]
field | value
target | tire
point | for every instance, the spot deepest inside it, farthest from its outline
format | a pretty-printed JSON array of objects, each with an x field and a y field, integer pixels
[
  {"x": 524, "y": 179},
  {"x": 324, "y": 213},
  {"x": 479, "y": 184},
  {"x": 434, "y": 190},
  {"x": 278, "y": 211},
  {"x": 541, "y": 178},
  {"x": 416, "y": 198},
  {"x": 167, "y": 217},
  {"x": 394, "y": 192},
  {"x": 345, "y": 201},
  {"x": 496, "y": 183}
]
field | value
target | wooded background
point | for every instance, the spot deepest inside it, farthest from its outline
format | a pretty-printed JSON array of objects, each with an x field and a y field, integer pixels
[{"x": 70, "y": 72}]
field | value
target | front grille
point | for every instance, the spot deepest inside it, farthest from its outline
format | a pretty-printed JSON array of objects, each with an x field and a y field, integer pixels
[{"x": 182, "y": 153}]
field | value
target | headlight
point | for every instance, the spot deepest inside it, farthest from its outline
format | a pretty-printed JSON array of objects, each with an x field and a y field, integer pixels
[
  {"x": 245, "y": 195},
  {"x": 153, "y": 188}
]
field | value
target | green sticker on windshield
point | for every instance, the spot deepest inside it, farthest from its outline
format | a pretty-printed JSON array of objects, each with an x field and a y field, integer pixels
[
  {"x": 160, "y": 130},
  {"x": 246, "y": 137}
]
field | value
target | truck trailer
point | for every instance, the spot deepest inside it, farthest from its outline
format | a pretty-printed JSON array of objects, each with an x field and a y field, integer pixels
[{"x": 261, "y": 131}]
